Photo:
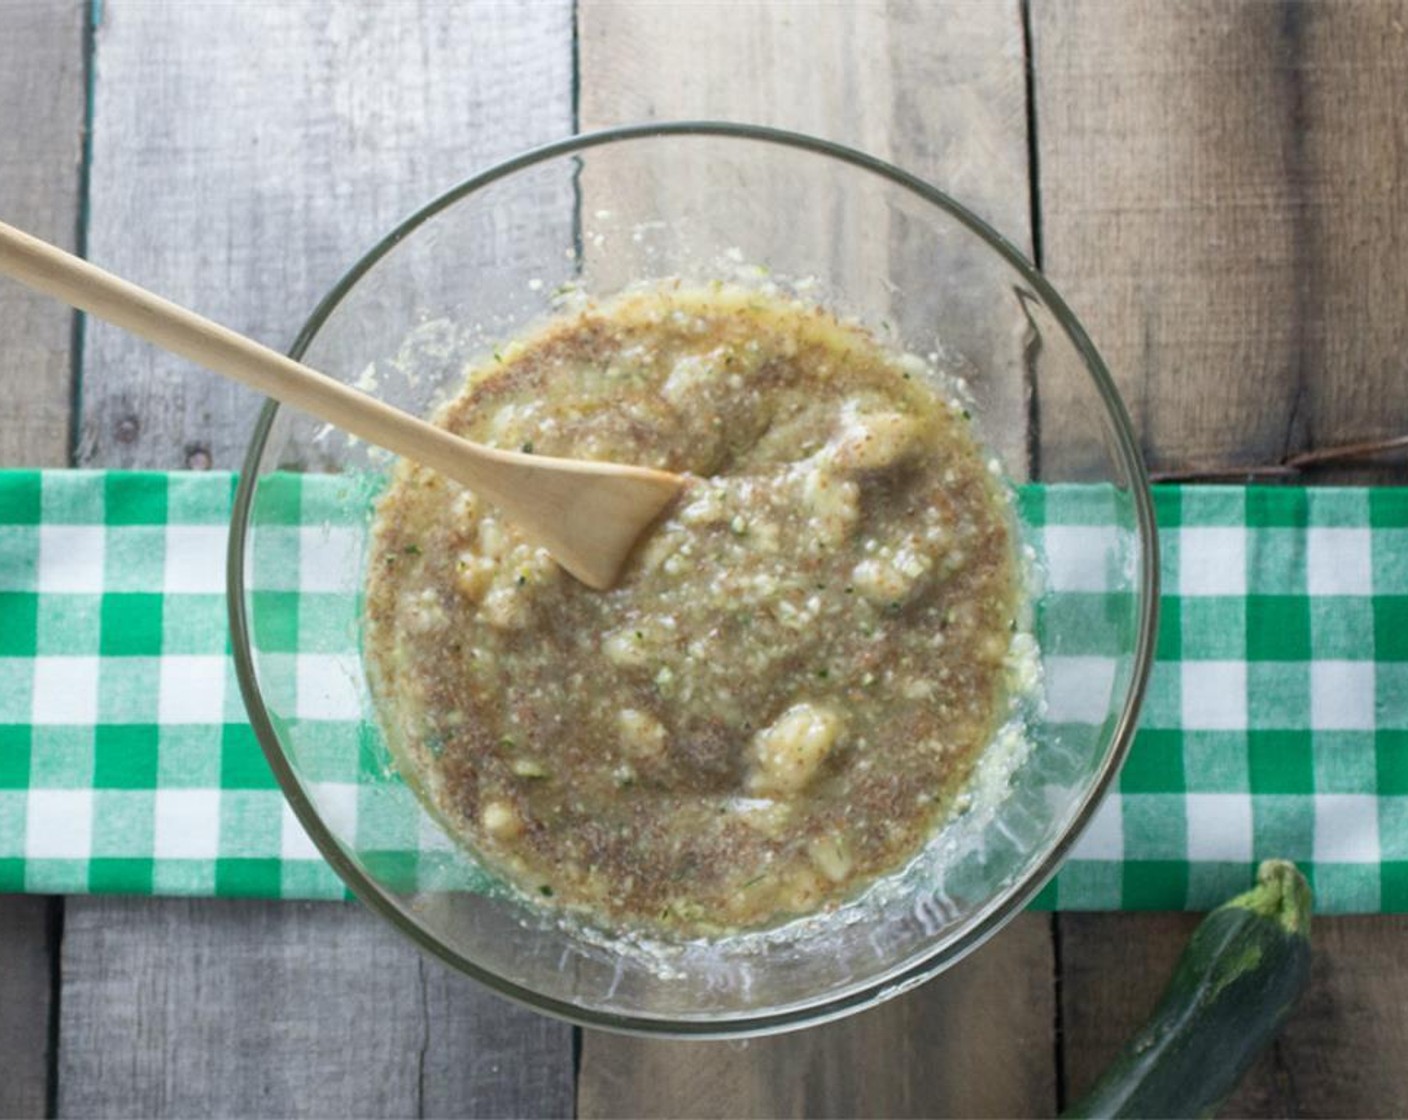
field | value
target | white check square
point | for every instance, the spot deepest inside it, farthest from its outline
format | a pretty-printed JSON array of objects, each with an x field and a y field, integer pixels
[
  {"x": 1103, "y": 838},
  {"x": 65, "y": 691},
  {"x": 1346, "y": 828},
  {"x": 1342, "y": 695},
  {"x": 327, "y": 687},
  {"x": 1339, "y": 561},
  {"x": 329, "y": 559},
  {"x": 187, "y": 824},
  {"x": 195, "y": 560},
  {"x": 1214, "y": 695},
  {"x": 1078, "y": 689},
  {"x": 1082, "y": 557},
  {"x": 1219, "y": 827},
  {"x": 191, "y": 689},
  {"x": 59, "y": 824},
  {"x": 1212, "y": 561},
  {"x": 294, "y": 843},
  {"x": 71, "y": 559}
]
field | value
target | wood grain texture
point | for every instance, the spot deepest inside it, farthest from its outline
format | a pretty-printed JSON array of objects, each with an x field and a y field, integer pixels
[
  {"x": 41, "y": 84},
  {"x": 246, "y": 154},
  {"x": 1220, "y": 192},
  {"x": 938, "y": 89},
  {"x": 243, "y": 156},
  {"x": 232, "y": 1008},
  {"x": 1341, "y": 1054},
  {"x": 976, "y": 1041}
]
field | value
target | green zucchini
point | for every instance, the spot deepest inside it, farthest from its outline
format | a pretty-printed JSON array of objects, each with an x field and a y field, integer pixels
[{"x": 1242, "y": 972}]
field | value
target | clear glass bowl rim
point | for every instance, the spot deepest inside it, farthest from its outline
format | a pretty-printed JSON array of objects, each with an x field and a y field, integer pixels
[{"x": 828, "y": 1006}]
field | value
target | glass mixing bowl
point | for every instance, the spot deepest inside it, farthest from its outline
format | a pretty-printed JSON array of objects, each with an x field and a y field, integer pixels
[{"x": 703, "y": 202}]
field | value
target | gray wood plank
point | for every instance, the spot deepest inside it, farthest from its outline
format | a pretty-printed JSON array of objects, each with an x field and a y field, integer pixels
[
  {"x": 42, "y": 88},
  {"x": 41, "y": 84},
  {"x": 234, "y": 1008},
  {"x": 939, "y": 89},
  {"x": 243, "y": 156},
  {"x": 1218, "y": 185},
  {"x": 976, "y": 1041}
]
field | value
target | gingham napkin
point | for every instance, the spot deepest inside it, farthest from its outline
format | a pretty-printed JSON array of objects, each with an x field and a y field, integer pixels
[{"x": 1276, "y": 722}]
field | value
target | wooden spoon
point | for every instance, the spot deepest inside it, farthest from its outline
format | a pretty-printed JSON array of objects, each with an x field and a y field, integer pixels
[{"x": 588, "y": 515}]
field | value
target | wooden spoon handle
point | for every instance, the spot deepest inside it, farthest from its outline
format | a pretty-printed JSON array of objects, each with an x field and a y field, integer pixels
[{"x": 49, "y": 269}]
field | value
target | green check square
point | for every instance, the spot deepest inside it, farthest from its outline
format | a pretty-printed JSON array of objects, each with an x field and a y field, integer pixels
[
  {"x": 1393, "y": 887},
  {"x": 1284, "y": 507},
  {"x": 124, "y": 823},
  {"x": 20, "y": 497},
  {"x": 1216, "y": 761},
  {"x": 14, "y": 818},
  {"x": 194, "y": 624},
  {"x": 1212, "y": 884},
  {"x": 1214, "y": 628},
  {"x": 19, "y": 623},
  {"x": 11, "y": 875},
  {"x": 387, "y": 823},
  {"x": 135, "y": 558},
  {"x": 19, "y": 557},
  {"x": 1154, "y": 884},
  {"x": 1214, "y": 506},
  {"x": 187, "y": 877},
  {"x": 1391, "y": 695},
  {"x": 1045, "y": 899},
  {"x": 71, "y": 498},
  {"x": 1393, "y": 827},
  {"x": 61, "y": 757},
  {"x": 125, "y": 755},
  {"x": 1155, "y": 763},
  {"x": 1031, "y": 504},
  {"x": 1388, "y": 507},
  {"x": 1168, "y": 506},
  {"x": 187, "y": 758},
  {"x": 129, "y": 690},
  {"x": 277, "y": 549},
  {"x": 1278, "y": 695},
  {"x": 119, "y": 876},
  {"x": 1163, "y": 698},
  {"x": 247, "y": 878},
  {"x": 1281, "y": 762},
  {"x": 68, "y": 624},
  {"x": 274, "y": 621},
  {"x": 16, "y": 689},
  {"x": 1278, "y": 627},
  {"x": 1345, "y": 888},
  {"x": 1337, "y": 507},
  {"x": 1391, "y": 756},
  {"x": 251, "y": 823},
  {"x": 1341, "y": 626},
  {"x": 199, "y": 497},
  {"x": 312, "y": 878},
  {"x": 1168, "y": 644},
  {"x": 1155, "y": 826},
  {"x": 134, "y": 497},
  {"x": 277, "y": 499},
  {"x": 1345, "y": 762},
  {"x": 14, "y": 755},
  {"x": 1388, "y": 557},
  {"x": 1283, "y": 827},
  {"x": 242, "y": 763},
  {"x": 131, "y": 625},
  {"x": 330, "y": 623},
  {"x": 1391, "y": 628},
  {"x": 1088, "y": 884}
]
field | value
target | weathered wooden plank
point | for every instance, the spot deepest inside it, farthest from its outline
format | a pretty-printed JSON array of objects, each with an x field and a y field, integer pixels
[
  {"x": 1220, "y": 186},
  {"x": 198, "y": 1008},
  {"x": 939, "y": 89},
  {"x": 974, "y": 1042},
  {"x": 1340, "y": 1055},
  {"x": 41, "y": 85},
  {"x": 42, "y": 92},
  {"x": 1217, "y": 191},
  {"x": 243, "y": 155}
]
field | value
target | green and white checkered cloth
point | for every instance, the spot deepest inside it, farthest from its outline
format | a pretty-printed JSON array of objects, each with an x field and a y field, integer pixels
[{"x": 1276, "y": 722}]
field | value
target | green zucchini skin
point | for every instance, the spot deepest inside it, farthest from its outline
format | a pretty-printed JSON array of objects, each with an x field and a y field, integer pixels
[{"x": 1245, "y": 967}]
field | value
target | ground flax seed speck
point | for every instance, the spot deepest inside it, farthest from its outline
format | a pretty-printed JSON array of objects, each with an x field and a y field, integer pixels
[{"x": 782, "y": 697}]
